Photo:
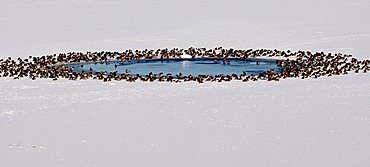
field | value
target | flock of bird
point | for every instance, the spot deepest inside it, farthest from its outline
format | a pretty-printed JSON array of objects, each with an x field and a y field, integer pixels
[{"x": 299, "y": 64}]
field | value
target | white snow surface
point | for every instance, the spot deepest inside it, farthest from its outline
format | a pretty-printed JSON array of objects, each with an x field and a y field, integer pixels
[{"x": 294, "y": 122}]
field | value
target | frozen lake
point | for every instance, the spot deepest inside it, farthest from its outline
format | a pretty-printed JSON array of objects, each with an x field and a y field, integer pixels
[
  {"x": 194, "y": 67},
  {"x": 312, "y": 122}
]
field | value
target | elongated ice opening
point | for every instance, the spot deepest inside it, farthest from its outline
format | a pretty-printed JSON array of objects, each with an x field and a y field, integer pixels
[{"x": 198, "y": 66}]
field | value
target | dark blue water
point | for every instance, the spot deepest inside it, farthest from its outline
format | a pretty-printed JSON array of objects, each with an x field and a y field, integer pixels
[{"x": 200, "y": 66}]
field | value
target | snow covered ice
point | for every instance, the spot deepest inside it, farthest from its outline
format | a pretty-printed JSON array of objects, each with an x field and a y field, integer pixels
[{"x": 312, "y": 122}]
